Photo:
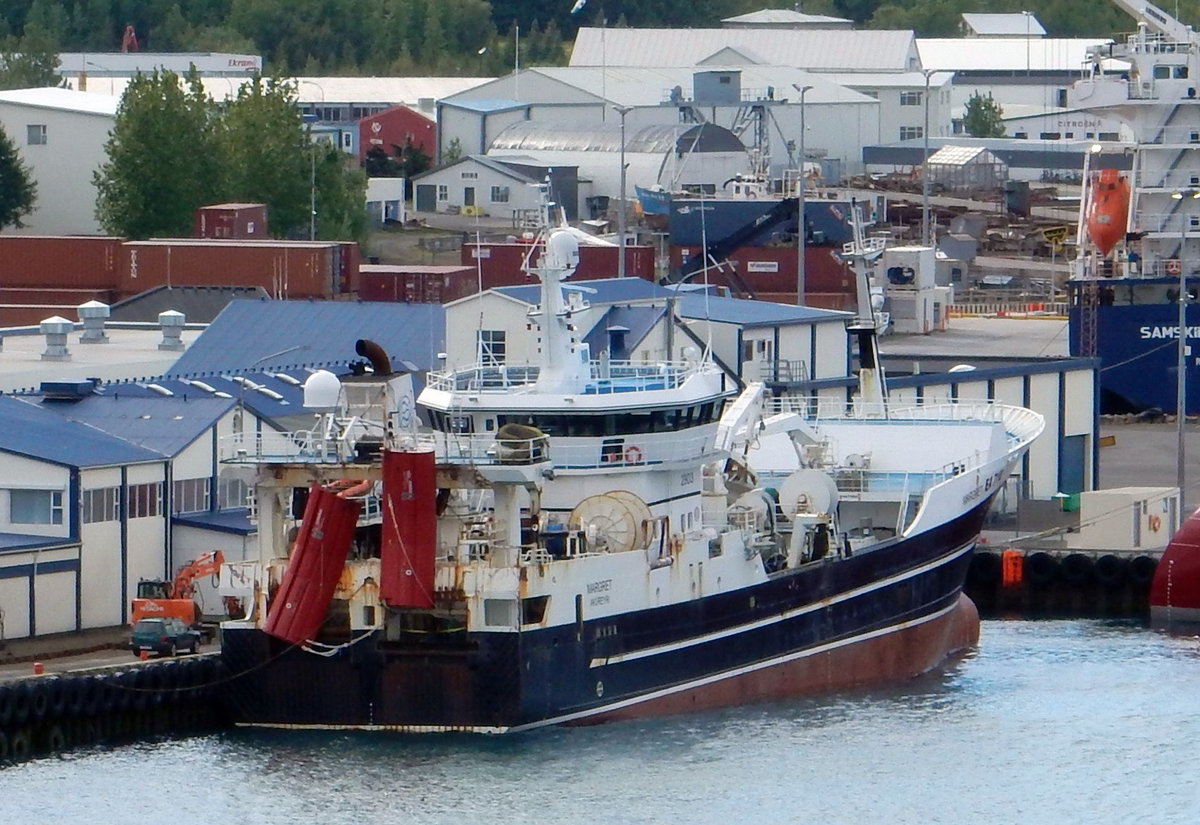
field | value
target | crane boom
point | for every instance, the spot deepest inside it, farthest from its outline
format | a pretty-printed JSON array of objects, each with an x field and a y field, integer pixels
[{"x": 1157, "y": 20}]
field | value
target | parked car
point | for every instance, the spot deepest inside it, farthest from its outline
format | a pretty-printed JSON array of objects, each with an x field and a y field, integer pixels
[{"x": 166, "y": 637}]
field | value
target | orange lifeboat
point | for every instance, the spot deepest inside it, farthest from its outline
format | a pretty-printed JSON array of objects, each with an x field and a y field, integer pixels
[{"x": 1108, "y": 209}]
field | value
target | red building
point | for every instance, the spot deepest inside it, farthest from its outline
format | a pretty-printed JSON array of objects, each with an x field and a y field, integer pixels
[{"x": 393, "y": 127}]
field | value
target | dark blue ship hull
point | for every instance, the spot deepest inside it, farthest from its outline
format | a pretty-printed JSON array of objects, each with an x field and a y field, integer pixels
[
  {"x": 692, "y": 220},
  {"x": 889, "y": 613},
  {"x": 1136, "y": 340}
]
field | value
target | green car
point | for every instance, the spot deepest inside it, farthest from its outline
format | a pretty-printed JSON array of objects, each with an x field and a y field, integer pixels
[{"x": 166, "y": 637}]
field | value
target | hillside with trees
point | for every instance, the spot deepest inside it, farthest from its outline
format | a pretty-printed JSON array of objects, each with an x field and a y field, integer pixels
[{"x": 464, "y": 37}]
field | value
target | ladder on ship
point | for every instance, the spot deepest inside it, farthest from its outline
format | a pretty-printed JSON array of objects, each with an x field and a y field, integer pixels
[{"x": 1089, "y": 301}]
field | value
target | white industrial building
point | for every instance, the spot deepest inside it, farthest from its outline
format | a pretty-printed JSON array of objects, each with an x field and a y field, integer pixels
[
  {"x": 759, "y": 103},
  {"x": 672, "y": 156},
  {"x": 1028, "y": 77},
  {"x": 496, "y": 187},
  {"x": 60, "y": 135}
]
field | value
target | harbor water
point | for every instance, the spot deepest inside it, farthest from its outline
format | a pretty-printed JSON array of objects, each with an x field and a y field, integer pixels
[{"x": 1074, "y": 721}]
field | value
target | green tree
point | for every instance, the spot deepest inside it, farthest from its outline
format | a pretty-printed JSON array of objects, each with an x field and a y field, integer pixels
[
  {"x": 983, "y": 117},
  {"x": 264, "y": 154},
  {"x": 341, "y": 195},
  {"x": 18, "y": 192},
  {"x": 161, "y": 163},
  {"x": 29, "y": 62}
]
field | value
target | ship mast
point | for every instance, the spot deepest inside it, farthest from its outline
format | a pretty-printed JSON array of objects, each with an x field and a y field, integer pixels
[
  {"x": 565, "y": 367},
  {"x": 861, "y": 253}
]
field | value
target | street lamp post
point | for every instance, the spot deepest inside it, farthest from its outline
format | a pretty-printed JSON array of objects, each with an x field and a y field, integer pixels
[
  {"x": 1028, "y": 16},
  {"x": 925, "y": 240},
  {"x": 1181, "y": 334},
  {"x": 801, "y": 229},
  {"x": 622, "y": 111}
]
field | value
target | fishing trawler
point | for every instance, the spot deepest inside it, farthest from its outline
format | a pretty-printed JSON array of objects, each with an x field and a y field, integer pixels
[
  {"x": 584, "y": 539},
  {"x": 1139, "y": 224}
]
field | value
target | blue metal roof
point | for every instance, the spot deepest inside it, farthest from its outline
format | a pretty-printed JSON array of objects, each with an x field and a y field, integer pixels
[
  {"x": 268, "y": 395},
  {"x": 753, "y": 313},
  {"x": 164, "y": 424},
  {"x": 608, "y": 291},
  {"x": 636, "y": 320},
  {"x": 28, "y": 430},
  {"x": 222, "y": 521},
  {"x": 278, "y": 335},
  {"x": 18, "y": 542}
]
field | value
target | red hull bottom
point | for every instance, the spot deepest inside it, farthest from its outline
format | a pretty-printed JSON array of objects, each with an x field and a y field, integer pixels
[{"x": 899, "y": 653}]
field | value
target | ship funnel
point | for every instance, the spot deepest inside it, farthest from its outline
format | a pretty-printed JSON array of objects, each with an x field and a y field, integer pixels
[{"x": 374, "y": 353}]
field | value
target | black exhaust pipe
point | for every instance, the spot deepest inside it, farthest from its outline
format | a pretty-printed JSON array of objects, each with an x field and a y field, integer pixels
[{"x": 380, "y": 363}]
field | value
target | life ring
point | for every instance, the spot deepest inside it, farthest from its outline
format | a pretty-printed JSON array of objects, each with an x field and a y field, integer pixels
[
  {"x": 1155, "y": 524},
  {"x": 633, "y": 454}
]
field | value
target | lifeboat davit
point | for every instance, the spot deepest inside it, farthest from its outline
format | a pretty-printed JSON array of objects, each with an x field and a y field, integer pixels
[
  {"x": 1108, "y": 209},
  {"x": 1175, "y": 591}
]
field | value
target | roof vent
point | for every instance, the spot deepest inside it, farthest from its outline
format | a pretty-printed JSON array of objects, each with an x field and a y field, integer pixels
[
  {"x": 68, "y": 390},
  {"x": 56, "y": 329},
  {"x": 93, "y": 314},
  {"x": 171, "y": 322}
]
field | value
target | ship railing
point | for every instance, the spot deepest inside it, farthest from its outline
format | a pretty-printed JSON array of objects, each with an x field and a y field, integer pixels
[
  {"x": 487, "y": 449},
  {"x": 783, "y": 371},
  {"x": 309, "y": 447},
  {"x": 1173, "y": 223},
  {"x": 618, "y": 452},
  {"x": 1145, "y": 42},
  {"x": 606, "y": 376},
  {"x": 856, "y": 482},
  {"x": 1168, "y": 134},
  {"x": 1018, "y": 421}
]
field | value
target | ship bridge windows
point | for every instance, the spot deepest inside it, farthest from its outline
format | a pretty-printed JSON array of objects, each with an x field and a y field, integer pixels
[
  {"x": 1163, "y": 72},
  {"x": 611, "y": 424}
]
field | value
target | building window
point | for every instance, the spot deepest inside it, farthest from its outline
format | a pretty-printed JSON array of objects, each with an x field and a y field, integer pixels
[
  {"x": 443, "y": 192},
  {"x": 871, "y": 93},
  {"x": 101, "y": 505},
  {"x": 145, "y": 500},
  {"x": 469, "y": 175},
  {"x": 1050, "y": 136},
  {"x": 232, "y": 493},
  {"x": 911, "y": 98},
  {"x": 331, "y": 114},
  {"x": 1108, "y": 136},
  {"x": 911, "y": 132},
  {"x": 189, "y": 495},
  {"x": 499, "y": 194},
  {"x": 35, "y": 506},
  {"x": 36, "y": 134},
  {"x": 492, "y": 346}
]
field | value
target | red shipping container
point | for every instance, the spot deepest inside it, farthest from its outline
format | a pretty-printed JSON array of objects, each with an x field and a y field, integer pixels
[
  {"x": 501, "y": 262},
  {"x": 231, "y": 220},
  {"x": 416, "y": 284},
  {"x": 285, "y": 269},
  {"x": 59, "y": 261},
  {"x": 772, "y": 270},
  {"x": 349, "y": 259}
]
